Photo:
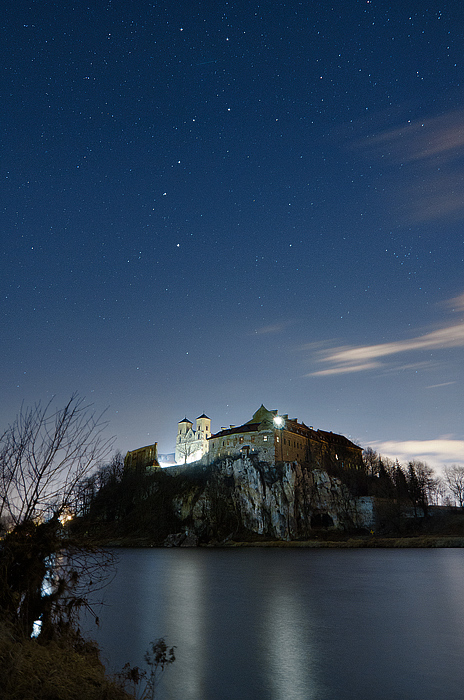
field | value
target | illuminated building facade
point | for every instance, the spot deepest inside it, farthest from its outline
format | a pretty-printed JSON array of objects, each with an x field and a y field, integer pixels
[
  {"x": 192, "y": 444},
  {"x": 277, "y": 438}
]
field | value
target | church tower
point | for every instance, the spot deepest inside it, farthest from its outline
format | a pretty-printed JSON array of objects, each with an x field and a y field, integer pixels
[
  {"x": 191, "y": 444},
  {"x": 203, "y": 426}
]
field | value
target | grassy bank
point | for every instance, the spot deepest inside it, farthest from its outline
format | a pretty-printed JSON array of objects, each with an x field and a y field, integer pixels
[{"x": 53, "y": 671}]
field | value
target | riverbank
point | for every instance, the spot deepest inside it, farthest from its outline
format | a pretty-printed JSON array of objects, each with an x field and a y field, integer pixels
[
  {"x": 362, "y": 542},
  {"x": 45, "y": 670}
]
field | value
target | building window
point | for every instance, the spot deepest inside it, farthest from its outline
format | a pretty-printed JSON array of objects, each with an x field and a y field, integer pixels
[{"x": 265, "y": 438}]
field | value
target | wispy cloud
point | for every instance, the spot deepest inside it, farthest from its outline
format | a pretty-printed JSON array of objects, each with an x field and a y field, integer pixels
[
  {"x": 438, "y": 452},
  {"x": 422, "y": 139},
  {"x": 429, "y": 154},
  {"x": 456, "y": 303},
  {"x": 264, "y": 330},
  {"x": 272, "y": 328},
  {"x": 365, "y": 357},
  {"x": 436, "y": 386},
  {"x": 346, "y": 359},
  {"x": 344, "y": 368}
]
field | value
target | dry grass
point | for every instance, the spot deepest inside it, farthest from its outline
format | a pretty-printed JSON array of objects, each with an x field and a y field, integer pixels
[{"x": 55, "y": 671}]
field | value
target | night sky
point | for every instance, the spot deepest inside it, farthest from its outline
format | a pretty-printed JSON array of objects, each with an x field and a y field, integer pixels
[{"x": 206, "y": 206}]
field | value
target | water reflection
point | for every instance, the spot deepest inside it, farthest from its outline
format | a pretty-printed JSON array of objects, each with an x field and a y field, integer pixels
[
  {"x": 293, "y": 625},
  {"x": 185, "y": 618},
  {"x": 291, "y": 653}
]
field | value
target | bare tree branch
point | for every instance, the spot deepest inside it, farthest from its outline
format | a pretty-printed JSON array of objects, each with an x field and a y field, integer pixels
[
  {"x": 454, "y": 478},
  {"x": 44, "y": 454}
]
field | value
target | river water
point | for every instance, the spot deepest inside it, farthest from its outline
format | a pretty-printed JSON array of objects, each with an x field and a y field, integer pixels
[{"x": 292, "y": 624}]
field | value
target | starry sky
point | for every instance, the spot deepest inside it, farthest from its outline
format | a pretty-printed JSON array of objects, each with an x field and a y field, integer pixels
[{"x": 206, "y": 206}]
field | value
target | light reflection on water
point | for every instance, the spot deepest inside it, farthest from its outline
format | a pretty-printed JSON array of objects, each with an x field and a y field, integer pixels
[
  {"x": 185, "y": 617},
  {"x": 260, "y": 624},
  {"x": 291, "y": 659}
]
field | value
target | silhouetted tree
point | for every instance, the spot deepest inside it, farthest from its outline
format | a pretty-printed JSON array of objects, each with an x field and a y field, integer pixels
[
  {"x": 401, "y": 484},
  {"x": 454, "y": 478},
  {"x": 44, "y": 455},
  {"x": 371, "y": 461},
  {"x": 420, "y": 482},
  {"x": 385, "y": 484}
]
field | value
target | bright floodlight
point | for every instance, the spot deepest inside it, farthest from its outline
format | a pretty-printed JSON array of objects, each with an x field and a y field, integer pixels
[{"x": 278, "y": 421}]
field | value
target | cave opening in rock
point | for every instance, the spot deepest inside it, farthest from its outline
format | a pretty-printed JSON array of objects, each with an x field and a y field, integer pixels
[{"x": 321, "y": 520}]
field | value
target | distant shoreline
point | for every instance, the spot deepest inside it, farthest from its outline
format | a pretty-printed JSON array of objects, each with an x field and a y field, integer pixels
[
  {"x": 373, "y": 542},
  {"x": 364, "y": 543}
]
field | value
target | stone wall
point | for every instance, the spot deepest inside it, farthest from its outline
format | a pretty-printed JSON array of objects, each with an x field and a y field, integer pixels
[
  {"x": 243, "y": 443},
  {"x": 142, "y": 458}
]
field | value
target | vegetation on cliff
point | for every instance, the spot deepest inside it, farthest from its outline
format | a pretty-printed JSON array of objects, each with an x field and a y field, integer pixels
[
  {"x": 55, "y": 497},
  {"x": 245, "y": 499}
]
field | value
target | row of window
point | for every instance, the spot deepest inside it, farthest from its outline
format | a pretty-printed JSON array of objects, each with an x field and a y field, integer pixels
[
  {"x": 286, "y": 441},
  {"x": 241, "y": 439},
  {"x": 295, "y": 443}
]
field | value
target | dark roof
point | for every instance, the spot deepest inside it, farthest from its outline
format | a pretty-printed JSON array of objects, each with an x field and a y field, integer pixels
[
  {"x": 338, "y": 439},
  {"x": 291, "y": 426},
  {"x": 203, "y": 415},
  {"x": 186, "y": 420},
  {"x": 247, "y": 428},
  {"x": 145, "y": 447}
]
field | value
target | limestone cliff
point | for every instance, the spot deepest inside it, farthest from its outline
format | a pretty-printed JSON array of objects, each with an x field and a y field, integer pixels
[{"x": 283, "y": 501}]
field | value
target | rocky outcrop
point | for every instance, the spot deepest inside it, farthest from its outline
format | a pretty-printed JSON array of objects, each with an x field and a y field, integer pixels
[
  {"x": 283, "y": 501},
  {"x": 181, "y": 539}
]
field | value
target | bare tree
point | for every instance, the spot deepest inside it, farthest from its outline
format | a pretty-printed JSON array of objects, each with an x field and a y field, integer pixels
[
  {"x": 438, "y": 491},
  {"x": 44, "y": 455},
  {"x": 113, "y": 471},
  {"x": 454, "y": 478},
  {"x": 371, "y": 461},
  {"x": 186, "y": 448},
  {"x": 86, "y": 491}
]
